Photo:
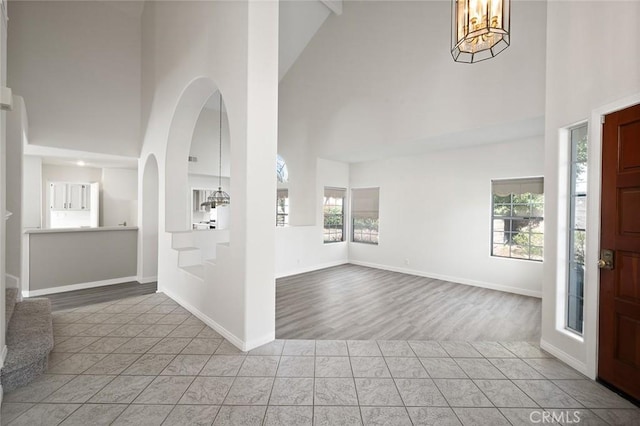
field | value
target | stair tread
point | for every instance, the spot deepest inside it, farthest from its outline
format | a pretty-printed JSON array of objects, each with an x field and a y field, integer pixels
[
  {"x": 195, "y": 270},
  {"x": 186, "y": 248}
]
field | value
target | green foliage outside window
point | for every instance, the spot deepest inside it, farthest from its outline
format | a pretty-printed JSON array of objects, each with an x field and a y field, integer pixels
[{"x": 518, "y": 227}]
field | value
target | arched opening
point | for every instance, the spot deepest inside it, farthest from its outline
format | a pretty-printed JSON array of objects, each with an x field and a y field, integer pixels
[
  {"x": 209, "y": 167},
  {"x": 150, "y": 205},
  {"x": 177, "y": 188}
]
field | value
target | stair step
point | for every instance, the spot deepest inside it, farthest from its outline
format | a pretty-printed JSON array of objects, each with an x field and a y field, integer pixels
[
  {"x": 10, "y": 303},
  {"x": 195, "y": 270},
  {"x": 181, "y": 239},
  {"x": 29, "y": 342},
  {"x": 189, "y": 256}
]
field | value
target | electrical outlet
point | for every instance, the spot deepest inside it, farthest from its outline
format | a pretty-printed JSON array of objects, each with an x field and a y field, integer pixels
[{"x": 406, "y": 262}]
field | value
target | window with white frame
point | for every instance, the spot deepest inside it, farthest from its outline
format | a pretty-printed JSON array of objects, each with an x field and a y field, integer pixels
[
  {"x": 365, "y": 215},
  {"x": 517, "y": 218},
  {"x": 282, "y": 207},
  {"x": 577, "y": 227},
  {"x": 333, "y": 212}
]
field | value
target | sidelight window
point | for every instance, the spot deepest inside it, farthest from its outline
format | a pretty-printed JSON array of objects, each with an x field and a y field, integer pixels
[{"x": 577, "y": 227}]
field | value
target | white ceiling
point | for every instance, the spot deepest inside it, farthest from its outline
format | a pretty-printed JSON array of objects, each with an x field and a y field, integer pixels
[
  {"x": 69, "y": 157},
  {"x": 299, "y": 21}
]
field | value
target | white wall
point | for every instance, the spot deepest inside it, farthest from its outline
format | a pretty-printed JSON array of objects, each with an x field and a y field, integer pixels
[
  {"x": 589, "y": 73},
  {"x": 3, "y": 74},
  {"x": 149, "y": 226},
  {"x": 32, "y": 192},
  {"x": 77, "y": 65},
  {"x": 435, "y": 214},
  {"x": 379, "y": 80},
  {"x": 119, "y": 197},
  {"x": 16, "y": 135},
  {"x": 190, "y": 50},
  {"x": 301, "y": 248},
  {"x": 299, "y": 21}
]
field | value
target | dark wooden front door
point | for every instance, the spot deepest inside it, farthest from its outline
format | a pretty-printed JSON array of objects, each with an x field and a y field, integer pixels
[{"x": 619, "y": 338}]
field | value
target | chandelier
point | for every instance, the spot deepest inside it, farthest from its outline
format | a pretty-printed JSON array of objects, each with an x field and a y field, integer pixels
[{"x": 479, "y": 29}]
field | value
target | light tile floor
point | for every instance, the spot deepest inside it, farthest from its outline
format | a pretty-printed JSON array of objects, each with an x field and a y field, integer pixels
[{"x": 147, "y": 361}]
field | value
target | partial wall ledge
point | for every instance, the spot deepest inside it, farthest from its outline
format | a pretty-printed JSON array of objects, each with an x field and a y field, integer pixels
[{"x": 71, "y": 259}]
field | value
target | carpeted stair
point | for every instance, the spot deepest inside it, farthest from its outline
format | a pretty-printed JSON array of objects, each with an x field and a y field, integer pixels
[{"x": 29, "y": 340}]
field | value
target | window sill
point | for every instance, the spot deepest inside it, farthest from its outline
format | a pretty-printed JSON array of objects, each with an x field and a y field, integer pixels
[{"x": 515, "y": 258}]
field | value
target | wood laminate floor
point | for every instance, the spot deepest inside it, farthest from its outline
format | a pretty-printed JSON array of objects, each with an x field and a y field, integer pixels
[
  {"x": 355, "y": 302},
  {"x": 77, "y": 298}
]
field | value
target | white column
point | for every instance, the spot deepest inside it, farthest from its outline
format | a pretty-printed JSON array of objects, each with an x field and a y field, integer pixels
[{"x": 260, "y": 176}]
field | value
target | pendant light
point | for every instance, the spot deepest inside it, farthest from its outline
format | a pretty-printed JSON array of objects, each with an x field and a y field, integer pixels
[
  {"x": 219, "y": 197},
  {"x": 480, "y": 29}
]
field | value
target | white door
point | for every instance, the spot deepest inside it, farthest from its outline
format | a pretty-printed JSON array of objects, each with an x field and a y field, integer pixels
[
  {"x": 74, "y": 196},
  {"x": 57, "y": 196}
]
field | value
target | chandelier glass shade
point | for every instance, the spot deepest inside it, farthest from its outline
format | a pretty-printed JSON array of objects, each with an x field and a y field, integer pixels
[
  {"x": 480, "y": 29},
  {"x": 219, "y": 197}
]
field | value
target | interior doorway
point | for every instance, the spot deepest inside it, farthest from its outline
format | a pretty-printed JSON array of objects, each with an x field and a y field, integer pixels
[{"x": 619, "y": 322}]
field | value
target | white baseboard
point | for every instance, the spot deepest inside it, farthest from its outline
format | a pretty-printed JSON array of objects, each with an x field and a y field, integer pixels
[
  {"x": 237, "y": 342},
  {"x": 256, "y": 343},
  {"x": 11, "y": 281},
  {"x": 566, "y": 358},
  {"x": 80, "y": 286},
  {"x": 145, "y": 280},
  {"x": 311, "y": 268},
  {"x": 448, "y": 278}
]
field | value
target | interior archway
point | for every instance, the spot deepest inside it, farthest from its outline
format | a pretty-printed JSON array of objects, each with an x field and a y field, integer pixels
[
  {"x": 177, "y": 192},
  {"x": 209, "y": 166},
  {"x": 150, "y": 204}
]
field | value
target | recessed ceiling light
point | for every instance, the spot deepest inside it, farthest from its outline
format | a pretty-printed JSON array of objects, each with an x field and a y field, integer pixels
[{"x": 80, "y": 163}]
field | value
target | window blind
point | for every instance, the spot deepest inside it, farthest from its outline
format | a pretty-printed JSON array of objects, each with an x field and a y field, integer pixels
[
  {"x": 517, "y": 186},
  {"x": 334, "y": 192},
  {"x": 365, "y": 203},
  {"x": 283, "y": 193}
]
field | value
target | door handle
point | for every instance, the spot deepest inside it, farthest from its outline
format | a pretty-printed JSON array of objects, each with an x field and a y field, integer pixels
[{"x": 606, "y": 259}]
